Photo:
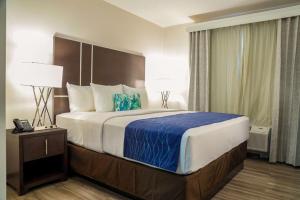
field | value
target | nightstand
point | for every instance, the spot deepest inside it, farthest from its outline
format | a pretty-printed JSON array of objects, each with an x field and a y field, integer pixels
[{"x": 36, "y": 158}]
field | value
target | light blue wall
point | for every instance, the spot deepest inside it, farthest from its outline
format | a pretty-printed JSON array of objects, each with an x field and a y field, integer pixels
[{"x": 2, "y": 99}]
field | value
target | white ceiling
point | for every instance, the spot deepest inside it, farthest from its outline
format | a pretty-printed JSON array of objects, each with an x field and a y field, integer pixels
[{"x": 173, "y": 12}]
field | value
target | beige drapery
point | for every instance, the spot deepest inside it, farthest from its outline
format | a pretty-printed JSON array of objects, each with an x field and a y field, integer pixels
[
  {"x": 242, "y": 70},
  {"x": 199, "y": 71}
]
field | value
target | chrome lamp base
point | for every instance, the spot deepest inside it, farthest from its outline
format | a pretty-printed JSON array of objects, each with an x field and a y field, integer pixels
[
  {"x": 42, "y": 114},
  {"x": 164, "y": 97}
]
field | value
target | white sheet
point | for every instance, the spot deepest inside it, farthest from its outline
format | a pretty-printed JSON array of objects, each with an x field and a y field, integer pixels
[
  {"x": 104, "y": 132},
  {"x": 85, "y": 128}
]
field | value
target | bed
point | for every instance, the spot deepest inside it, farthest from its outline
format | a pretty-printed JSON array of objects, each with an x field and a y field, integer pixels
[
  {"x": 209, "y": 155},
  {"x": 104, "y": 133}
]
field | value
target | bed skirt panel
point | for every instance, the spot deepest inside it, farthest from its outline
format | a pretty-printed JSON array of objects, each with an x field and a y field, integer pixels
[{"x": 149, "y": 183}]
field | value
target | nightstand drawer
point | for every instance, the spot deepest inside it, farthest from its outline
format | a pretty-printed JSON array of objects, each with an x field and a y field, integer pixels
[
  {"x": 55, "y": 144},
  {"x": 34, "y": 148},
  {"x": 43, "y": 146}
]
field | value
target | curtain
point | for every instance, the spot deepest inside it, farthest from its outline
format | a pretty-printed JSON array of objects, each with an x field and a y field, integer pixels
[
  {"x": 243, "y": 60},
  {"x": 227, "y": 60},
  {"x": 258, "y": 77},
  {"x": 285, "y": 142},
  {"x": 199, "y": 70}
]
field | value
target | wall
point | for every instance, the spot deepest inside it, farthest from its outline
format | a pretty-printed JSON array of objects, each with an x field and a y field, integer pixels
[
  {"x": 176, "y": 51},
  {"x": 2, "y": 101},
  {"x": 32, "y": 24}
]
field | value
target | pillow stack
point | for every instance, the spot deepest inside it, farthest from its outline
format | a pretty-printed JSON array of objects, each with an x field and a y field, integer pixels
[{"x": 106, "y": 98}]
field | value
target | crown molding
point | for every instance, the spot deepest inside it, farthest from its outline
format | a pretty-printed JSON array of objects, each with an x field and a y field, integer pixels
[{"x": 247, "y": 19}]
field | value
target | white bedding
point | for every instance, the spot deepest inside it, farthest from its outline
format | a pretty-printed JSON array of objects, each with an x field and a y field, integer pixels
[{"x": 104, "y": 132}]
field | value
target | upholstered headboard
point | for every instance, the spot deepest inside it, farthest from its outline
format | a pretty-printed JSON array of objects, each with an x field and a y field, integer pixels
[{"x": 86, "y": 63}]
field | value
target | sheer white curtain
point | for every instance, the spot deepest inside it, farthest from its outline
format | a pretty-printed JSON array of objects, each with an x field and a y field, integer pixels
[
  {"x": 243, "y": 61},
  {"x": 227, "y": 61}
]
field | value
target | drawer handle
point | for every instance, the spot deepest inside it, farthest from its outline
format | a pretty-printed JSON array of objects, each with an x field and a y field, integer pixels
[{"x": 46, "y": 146}]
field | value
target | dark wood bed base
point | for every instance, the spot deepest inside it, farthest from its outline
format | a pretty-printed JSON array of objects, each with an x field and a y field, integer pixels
[{"x": 144, "y": 182}]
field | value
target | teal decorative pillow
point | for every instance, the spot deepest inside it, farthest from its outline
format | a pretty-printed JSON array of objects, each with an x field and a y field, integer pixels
[
  {"x": 135, "y": 101},
  {"x": 124, "y": 102}
]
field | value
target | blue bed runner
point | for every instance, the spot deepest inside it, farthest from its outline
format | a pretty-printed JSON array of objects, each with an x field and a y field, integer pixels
[{"x": 156, "y": 141}]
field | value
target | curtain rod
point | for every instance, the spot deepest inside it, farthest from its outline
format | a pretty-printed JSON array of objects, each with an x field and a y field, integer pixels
[{"x": 246, "y": 19}]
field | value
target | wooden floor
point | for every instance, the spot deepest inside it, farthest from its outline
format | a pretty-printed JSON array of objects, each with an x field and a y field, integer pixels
[{"x": 258, "y": 180}]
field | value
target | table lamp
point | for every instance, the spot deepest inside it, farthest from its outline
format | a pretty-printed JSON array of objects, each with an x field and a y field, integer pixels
[
  {"x": 164, "y": 85},
  {"x": 42, "y": 78}
]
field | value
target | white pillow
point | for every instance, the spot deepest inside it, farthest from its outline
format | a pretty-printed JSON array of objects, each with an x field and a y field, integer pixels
[
  {"x": 80, "y": 98},
  {"x": 141, "y": 91},
  {"x": 103, "y": 96}
]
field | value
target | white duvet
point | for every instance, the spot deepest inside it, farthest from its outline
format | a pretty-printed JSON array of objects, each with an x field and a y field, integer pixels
[{"x": 104, "y": 132}]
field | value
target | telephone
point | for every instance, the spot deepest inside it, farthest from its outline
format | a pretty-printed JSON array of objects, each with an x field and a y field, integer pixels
[{"x": 22, "y": 126}]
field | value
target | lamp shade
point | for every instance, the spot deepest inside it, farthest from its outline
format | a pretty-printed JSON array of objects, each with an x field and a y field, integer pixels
[{"x": 41, "y": 75}]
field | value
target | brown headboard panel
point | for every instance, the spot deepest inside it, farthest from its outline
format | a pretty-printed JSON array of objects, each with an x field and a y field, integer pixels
[{"x": 87, "y": 63}]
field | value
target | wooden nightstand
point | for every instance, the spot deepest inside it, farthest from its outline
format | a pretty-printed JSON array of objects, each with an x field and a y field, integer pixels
[{"x": 36, "y": 158}]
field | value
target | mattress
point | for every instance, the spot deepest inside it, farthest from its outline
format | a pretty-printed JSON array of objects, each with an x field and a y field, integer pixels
[{"x": 104, "y": 132}]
